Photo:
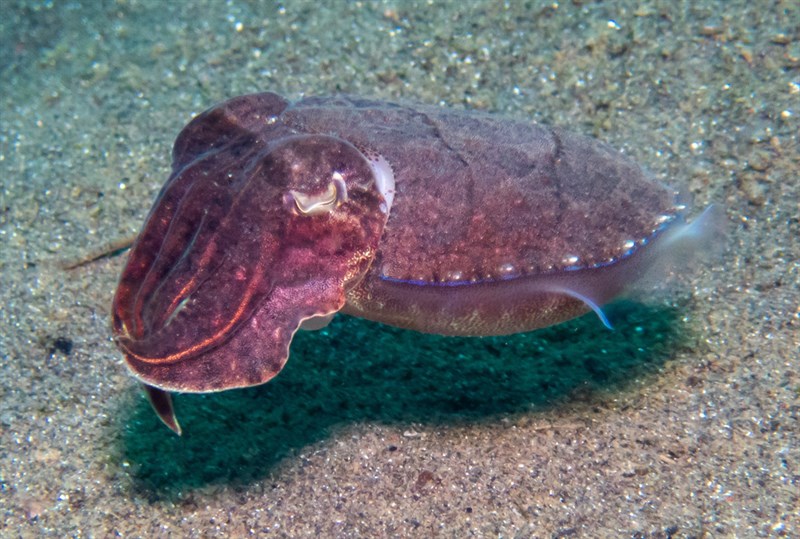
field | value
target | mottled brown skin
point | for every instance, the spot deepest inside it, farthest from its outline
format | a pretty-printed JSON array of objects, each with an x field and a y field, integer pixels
[{"x": 496, "y": 227}]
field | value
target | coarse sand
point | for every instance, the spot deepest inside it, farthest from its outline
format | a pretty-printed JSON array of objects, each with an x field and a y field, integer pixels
[{"x": 681, "y": 422}]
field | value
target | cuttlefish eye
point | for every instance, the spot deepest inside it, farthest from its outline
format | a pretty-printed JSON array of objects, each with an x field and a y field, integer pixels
[
  {"x": 310, "y": 203},
  {"x": 320, "y": 174}
]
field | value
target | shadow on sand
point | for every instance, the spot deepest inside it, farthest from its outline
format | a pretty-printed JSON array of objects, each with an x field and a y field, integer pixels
[{"x": 356, "y": 371}]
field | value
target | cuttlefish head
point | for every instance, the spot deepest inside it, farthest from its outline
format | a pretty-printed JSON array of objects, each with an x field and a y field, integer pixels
[{"x": 248, "y": 240}]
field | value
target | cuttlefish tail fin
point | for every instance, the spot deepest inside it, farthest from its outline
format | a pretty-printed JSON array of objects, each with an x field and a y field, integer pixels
[{"x": 161, "y": 401}]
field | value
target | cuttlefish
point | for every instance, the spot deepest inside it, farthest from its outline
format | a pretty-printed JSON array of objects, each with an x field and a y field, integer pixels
[{"x": 278, "y": 215}]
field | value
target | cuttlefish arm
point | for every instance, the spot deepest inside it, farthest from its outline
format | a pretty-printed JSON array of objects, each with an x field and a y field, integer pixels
[
  {"x": 257, "y": 353},
  {"x": 254, "y": 234}
]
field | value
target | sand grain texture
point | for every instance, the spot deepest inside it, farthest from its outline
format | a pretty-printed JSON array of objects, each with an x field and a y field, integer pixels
[{"x": 683, "y": 422}]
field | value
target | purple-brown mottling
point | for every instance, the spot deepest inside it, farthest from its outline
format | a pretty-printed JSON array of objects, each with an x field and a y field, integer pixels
[{"x": 280, "y": 214}]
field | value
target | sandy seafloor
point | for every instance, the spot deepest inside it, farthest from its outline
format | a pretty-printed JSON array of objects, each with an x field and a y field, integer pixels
[{"x": 682, "y": 422}]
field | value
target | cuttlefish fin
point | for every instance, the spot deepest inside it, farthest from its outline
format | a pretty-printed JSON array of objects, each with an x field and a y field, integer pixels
[
  {"x": 161, "y": 401},
  {"x": 589, "y": 302}
]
